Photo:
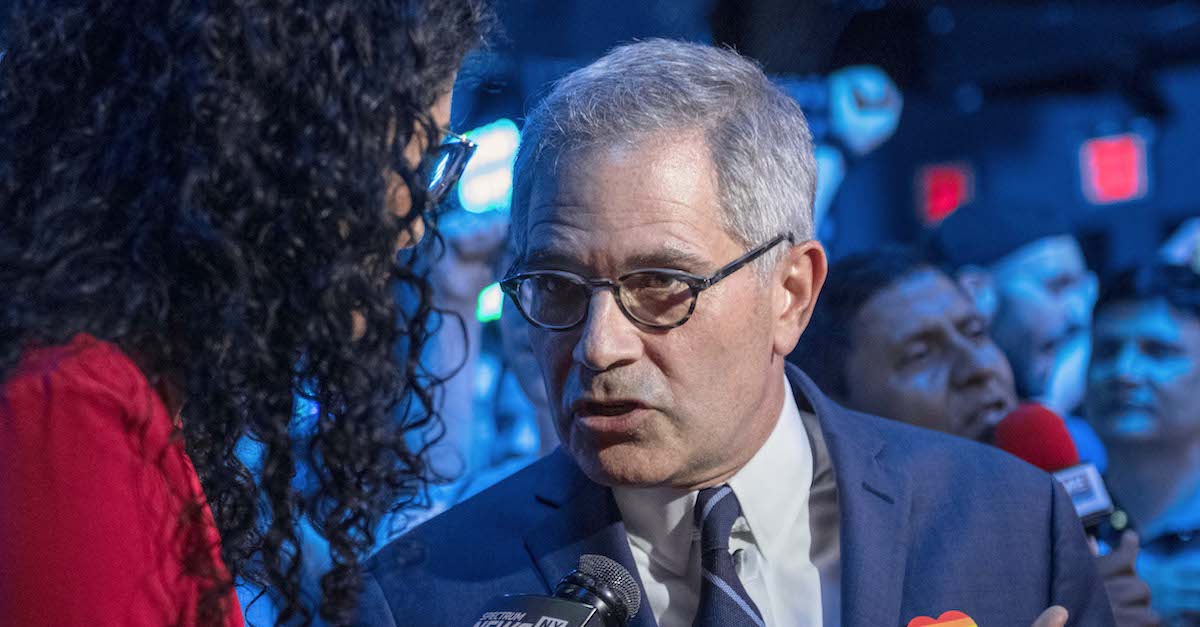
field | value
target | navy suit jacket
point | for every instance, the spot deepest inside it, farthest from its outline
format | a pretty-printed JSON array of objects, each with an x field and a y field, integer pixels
[{"x": 929, "y": 523}]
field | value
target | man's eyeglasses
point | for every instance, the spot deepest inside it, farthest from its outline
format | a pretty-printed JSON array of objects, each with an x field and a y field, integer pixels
[
  {"x": 658, "y": 298},
  {"x": 444, "y": 165}
]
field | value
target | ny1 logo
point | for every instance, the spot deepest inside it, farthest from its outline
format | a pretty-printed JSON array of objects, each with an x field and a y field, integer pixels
[{"x": 547, "y": 621}]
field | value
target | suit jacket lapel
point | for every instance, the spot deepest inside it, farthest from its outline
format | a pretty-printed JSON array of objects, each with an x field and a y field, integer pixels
[
  {"x": 582, "y": 517},
  {"x": 874, "y": 501}
]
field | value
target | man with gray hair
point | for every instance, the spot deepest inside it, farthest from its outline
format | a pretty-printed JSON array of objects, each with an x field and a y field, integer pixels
[{"x": 662, "y": 219}]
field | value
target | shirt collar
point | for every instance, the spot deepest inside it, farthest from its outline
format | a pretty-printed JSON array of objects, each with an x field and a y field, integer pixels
[
  {"x": 659, "y": 523},
  {"x": 773, "y": 489}
]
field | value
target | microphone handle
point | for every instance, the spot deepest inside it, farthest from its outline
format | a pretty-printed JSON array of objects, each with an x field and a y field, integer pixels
[{"x": 1109, "y": 529}]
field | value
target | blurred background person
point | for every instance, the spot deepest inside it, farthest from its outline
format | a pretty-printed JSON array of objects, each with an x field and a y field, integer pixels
[
  {"x": 519, "y": 411},
  {"x": 1025, "y": 272},
  {"x": 202, "y": 208},
  {"x": 897, "y": 337},
  {"x": 495, "y": 429},
  {"x": 465, "y": 266},
  {"x": 1144, "y": 401}
]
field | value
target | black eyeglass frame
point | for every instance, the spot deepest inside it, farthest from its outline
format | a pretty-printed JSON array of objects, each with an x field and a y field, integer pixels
[
  {"x": 696, "y": 284},
  {"x": 459, "y": 152}
]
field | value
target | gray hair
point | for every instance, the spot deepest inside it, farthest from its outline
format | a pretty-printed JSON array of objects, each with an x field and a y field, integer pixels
[{"x": 759, "y": 141}]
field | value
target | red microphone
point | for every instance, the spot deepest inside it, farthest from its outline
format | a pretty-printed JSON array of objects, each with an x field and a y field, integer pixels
[{"x": 1039, "y": 436}]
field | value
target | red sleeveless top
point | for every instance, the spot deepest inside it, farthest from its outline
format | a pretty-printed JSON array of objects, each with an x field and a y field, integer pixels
[{"x": 94, "y": 483}]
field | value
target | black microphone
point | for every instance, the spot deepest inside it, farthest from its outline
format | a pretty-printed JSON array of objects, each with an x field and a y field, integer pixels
[{"x": 599, "y": 593}]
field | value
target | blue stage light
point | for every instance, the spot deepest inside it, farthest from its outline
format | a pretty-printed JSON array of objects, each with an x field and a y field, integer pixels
[
  {"x": 486, "y": 185},
  {"x": 490, "y": 303}
]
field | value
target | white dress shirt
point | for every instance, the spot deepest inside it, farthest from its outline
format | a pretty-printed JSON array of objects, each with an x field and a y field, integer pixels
[{"x": 785, "y": 544}]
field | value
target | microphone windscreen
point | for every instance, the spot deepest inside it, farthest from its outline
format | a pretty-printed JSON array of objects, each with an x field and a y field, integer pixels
[
  {"x": 616, "y": 576},
  {"x": 1038, "y": 436}
]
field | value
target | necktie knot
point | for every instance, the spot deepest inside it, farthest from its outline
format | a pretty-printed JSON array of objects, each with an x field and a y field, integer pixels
[
  {"x": 717, "y": 508},
  {"x": 723, "y": 599}
]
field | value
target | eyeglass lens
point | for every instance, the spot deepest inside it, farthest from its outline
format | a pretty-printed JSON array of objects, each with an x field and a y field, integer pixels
[
  {"x": 444, "y": 171},
  {"x": 652, "y": 298}
]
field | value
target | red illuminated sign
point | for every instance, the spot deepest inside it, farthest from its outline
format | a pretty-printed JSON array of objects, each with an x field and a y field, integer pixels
[
  {"x": 1113, "y": 168},
  {"x": 941, "y": 189}
]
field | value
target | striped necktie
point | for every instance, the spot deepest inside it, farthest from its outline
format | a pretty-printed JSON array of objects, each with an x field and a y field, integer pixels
[{"x": 723, "y": 600}]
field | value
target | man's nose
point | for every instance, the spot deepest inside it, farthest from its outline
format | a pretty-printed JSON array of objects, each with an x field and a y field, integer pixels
[
  {"x": 978, "y": 363},
  {"x": 609, "y": 339},
  {"x": 1080, "y": 300},
  {"x": 1128, "y": 364}
]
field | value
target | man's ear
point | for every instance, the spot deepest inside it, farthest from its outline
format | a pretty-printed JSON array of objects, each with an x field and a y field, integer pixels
[
  {"x": 980, "y": 288},
  {"x": 799, "y": 277}
]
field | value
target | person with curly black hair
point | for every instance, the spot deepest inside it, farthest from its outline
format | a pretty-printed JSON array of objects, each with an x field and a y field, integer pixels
[{"x": 202, "y": 204}]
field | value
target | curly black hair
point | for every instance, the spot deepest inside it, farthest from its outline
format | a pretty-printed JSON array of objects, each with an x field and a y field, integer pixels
[{"x": 202, "y": 183}]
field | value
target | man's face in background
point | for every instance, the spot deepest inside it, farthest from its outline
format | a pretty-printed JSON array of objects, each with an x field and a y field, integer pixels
[
  {"x": 1144, "y": 373},
  {"x": 1043, "y": 308},
  {"x": 921, "y": 354}
]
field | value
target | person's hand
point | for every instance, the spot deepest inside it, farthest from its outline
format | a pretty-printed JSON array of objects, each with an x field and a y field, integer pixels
[
  {"x": 1127, "y": 593},
  {"x": 864, "y": 107},
  {"x": 467, "y": 265},
  {"x": 1054, "y": 616}
]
